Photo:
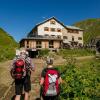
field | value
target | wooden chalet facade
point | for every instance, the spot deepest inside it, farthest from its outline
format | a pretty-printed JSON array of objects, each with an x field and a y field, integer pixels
[{"x": 51, "y": 34}]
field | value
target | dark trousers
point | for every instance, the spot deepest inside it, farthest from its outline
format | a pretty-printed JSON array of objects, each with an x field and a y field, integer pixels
[
  {"x": 22, "y": 84},
  {"x": 50, "y": 97}
]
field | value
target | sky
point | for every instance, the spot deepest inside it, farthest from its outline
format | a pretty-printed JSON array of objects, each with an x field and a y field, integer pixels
[{"x": 18, "y": 17}]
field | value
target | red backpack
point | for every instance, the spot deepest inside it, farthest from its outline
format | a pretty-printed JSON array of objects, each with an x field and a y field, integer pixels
[
  {"x": 51, "y": 86},
  {"x": 19, "y": 70}
]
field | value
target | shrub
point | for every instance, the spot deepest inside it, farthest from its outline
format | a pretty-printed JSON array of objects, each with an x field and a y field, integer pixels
[
  {"x": 43, "y": 52},
  {"x": 80, "y": 83},
  {"x": 76, "y": 52},
  {"x": 7, "y": 53}
]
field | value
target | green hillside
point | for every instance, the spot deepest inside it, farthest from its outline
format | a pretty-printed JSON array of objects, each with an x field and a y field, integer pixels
[
  {"x": 91, "y": 28},
  {"x": 7, "y": 46}
]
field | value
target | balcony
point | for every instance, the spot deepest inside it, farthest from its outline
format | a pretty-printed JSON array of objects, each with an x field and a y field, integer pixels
[{"x": 49, "y": 37}]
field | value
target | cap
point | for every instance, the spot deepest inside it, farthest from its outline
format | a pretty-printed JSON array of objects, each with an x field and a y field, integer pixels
[{"x": 49, "y": 61}]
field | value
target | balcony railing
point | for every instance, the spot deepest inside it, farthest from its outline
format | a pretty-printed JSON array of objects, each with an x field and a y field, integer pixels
[{"x": 46, "y": 37}]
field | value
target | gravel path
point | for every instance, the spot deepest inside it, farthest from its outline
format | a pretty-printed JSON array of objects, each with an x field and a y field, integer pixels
[{"x": 35, "y": 77}]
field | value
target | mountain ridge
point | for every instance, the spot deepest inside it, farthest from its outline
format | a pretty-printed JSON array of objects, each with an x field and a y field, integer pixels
[
  {"x": 91, "y": 28},
  {"x": 8, "y": 45}
]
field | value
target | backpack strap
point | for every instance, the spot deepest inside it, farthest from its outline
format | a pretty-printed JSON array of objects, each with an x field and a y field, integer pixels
[{"x": 45, "y": 71}]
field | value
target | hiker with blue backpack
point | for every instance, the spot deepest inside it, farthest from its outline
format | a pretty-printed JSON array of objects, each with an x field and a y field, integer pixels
[
  {"x": 21, "y": 72},
  {"x": 50, "y": 81}
]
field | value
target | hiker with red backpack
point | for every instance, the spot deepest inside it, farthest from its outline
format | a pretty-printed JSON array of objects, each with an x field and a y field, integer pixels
[
  {"x": 21, "y": 72},
  {"x": 50, "y": 81}
]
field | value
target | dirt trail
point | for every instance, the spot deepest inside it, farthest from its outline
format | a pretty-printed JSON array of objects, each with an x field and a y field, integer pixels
[
  {"x": 5, "y": 78},
  {"x": 35, "y": 77}
]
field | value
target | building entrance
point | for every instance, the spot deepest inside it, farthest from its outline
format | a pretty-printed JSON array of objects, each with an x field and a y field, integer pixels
[{"x": 32, "y": 54}]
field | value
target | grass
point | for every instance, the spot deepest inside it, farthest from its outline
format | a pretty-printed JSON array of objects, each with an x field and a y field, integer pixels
[
  {"x": 7, "y": 53},
  {"x": 76, "y": 52},
  {"x": 7, "y": 46},
  {"x": 1, "y": 70}
]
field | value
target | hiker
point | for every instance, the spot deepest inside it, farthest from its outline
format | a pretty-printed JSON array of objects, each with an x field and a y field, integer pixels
[
  {"x": 50, "y": 81},
  {"x": 21, "y": 72}
]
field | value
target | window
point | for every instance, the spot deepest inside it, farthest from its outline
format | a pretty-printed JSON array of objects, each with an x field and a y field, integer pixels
[
  {"x": 79, "y": 38},
  {"x": 53, "y": 35},
  {"x": 70, "y": 31},
  {"x": 58, "y": 36},
  {"x": 52, "y": 22},
  {"x": 53, "y": 29},
  {"x": 80, "y": 44},
  {"x": 46, "y": 35},
  {"x": 72, "y": 38},
  {"x": 38, "y": 44},
  {"x": 46, "y": 29},
  {"x": 75, "y": 31},
  {"x": 65, "y": 37},
  {"x": 51, "y": 44},
  {"x": 58, "y": 30}
]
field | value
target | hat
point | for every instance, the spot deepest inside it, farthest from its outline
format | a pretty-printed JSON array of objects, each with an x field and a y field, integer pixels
[{"x": 49, "y": 61}]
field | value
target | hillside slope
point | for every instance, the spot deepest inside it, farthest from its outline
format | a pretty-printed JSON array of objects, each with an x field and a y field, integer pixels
[
  {"x": 91, "y": 28},
  {"x": 7, "y": 45}
]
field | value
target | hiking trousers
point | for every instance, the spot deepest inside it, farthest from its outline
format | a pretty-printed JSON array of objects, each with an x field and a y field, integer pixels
[
  {"x": 50, "y": 97},
  {"x": 22, "y": 84}
]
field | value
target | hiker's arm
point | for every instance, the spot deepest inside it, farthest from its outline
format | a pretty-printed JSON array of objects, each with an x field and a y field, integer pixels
[
  {"x": 41, "y": 81},
  {"x": 42, "y": 77},
  {"x": 59, "y": 80},
  {"x": 12, "y": 68},
  {"x": 12, "y": 64},
  {"x": 31, "y": 65}
]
